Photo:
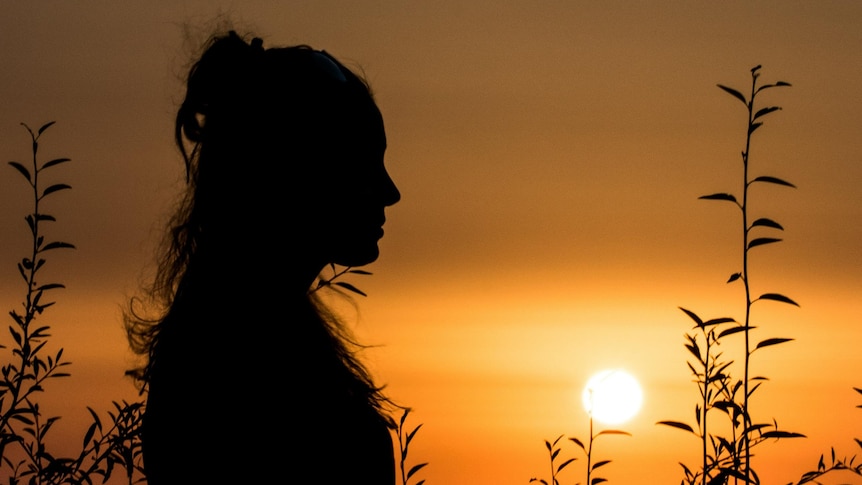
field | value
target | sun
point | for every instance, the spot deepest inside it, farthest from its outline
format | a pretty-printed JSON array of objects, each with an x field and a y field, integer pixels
[{"x": 612, "y": 396}]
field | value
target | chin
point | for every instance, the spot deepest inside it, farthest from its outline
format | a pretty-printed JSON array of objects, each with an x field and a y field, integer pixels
[{"x": 359, "y": 258}]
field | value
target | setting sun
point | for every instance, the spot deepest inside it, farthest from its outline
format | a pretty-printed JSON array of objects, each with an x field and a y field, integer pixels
[{"x": 612, "y": 396}]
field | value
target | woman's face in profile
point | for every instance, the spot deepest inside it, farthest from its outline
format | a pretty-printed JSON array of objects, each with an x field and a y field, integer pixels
[{"x": 359, "y": 190}]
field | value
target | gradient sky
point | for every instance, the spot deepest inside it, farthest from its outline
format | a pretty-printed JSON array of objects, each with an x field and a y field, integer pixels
[{"x": 549, "y": 154}]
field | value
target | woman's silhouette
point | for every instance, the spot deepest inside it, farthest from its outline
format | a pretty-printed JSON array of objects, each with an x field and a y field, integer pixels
[{"x": 249, "y": 378}]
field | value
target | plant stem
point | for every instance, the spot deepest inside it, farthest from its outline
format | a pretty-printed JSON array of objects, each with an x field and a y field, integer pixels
[
  {"x": 590, "y": 450},
  {"x": 746, "y": 282},
  {"x": 705, "y": 392}
]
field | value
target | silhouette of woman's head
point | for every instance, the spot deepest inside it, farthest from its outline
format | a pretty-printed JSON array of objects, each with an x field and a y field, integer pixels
[
  {"x": 284, "y": 153},
  {"x": 284, "y": 148}
]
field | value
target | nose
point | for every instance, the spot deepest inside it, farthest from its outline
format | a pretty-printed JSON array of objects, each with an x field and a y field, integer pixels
[{"x": 391, "y": 194}]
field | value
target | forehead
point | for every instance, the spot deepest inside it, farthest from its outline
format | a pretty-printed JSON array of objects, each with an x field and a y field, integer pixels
[{"x": 364, "y": 125}]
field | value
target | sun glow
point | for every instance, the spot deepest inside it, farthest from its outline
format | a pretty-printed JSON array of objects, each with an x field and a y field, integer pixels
[{"x": 612, "y": 396}]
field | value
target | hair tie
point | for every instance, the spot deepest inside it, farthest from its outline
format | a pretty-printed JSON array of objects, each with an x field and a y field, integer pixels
[{"x": 327, "y": 64}]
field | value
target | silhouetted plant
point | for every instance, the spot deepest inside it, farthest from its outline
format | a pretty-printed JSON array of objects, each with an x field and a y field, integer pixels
[
  {"x": 329, "y": 282},
  {"x": 730, "y": 456},
  {"x": 716, "y": 391},
  {"x": 587, "y": 449},
  {"x": 588, "y": 452},
  {"x": 404, "y": 437},
  {"x": 836, "y": 464},
  {"x": 23, "y": 427},
  {"x": 553, "y": 453},
  {"x": 404, "y": 440}
]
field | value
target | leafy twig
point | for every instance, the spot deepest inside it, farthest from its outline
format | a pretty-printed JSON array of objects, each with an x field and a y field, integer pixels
[
  {"x": 404, "y": 440},
  {"x": 23, "y": 378},
  {"x": 330, "y": 282}
]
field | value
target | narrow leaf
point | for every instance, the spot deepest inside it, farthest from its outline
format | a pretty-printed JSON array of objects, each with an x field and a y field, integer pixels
[
  {"x": 350, "y": 287},
  {"x": 693, "y": 316},
  {"x": 764, "y": 222},
  {"x": 55, "y": 161},
  {"x": 50, "y": 286},
  {"x": 56, "y": 245},
  {"x": 45, "y": 127},
  {"x": 15, "y": 335},
  {"x": 772, "y": 341},
  {"x": 412, "y": 434},
  {"x": 754, "y": 126},
  {"x": 761, "y": 241},
  {"x": 718, "y": 321},
  {"x": 22, "y": 169},
  {"x": 691, "y": 368},
  {"x": 756, "y": 427},
  {"x": 776, "y": 85},
  {"x": 600, "y": 463},
  {"x": 55, "y": 188},
  {"x": 21, "y": 418},
  {"x": 719, "y": 196},
  {"x": 416, "y": 469},
  {"x": 731, "y": 331},
  {"x": 613, "y": 431},
  {"x": 773, "y": 180},
  {"x": 734, "y": 93},
  {"x": 89, "y": 434},
  {"x": 565, "y": 464},
  {"x": 734, "y": 277},
  {"x": 677, "y": 424},
  {"x": 578, "y": 442},
  {"x": 777, "y": 297},
  {"x": 694, "y": 349},
  {"x": 765, "y": 111},
  {"x": 782, "y": 434},
  {"x": 18, "y": 318}
]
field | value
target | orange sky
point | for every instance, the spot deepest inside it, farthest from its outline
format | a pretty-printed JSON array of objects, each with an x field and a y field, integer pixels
[{"x": 549, "y": 156}]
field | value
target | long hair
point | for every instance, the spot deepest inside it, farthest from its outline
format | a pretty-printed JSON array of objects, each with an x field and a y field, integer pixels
[{"x": 242, "y": 102}]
